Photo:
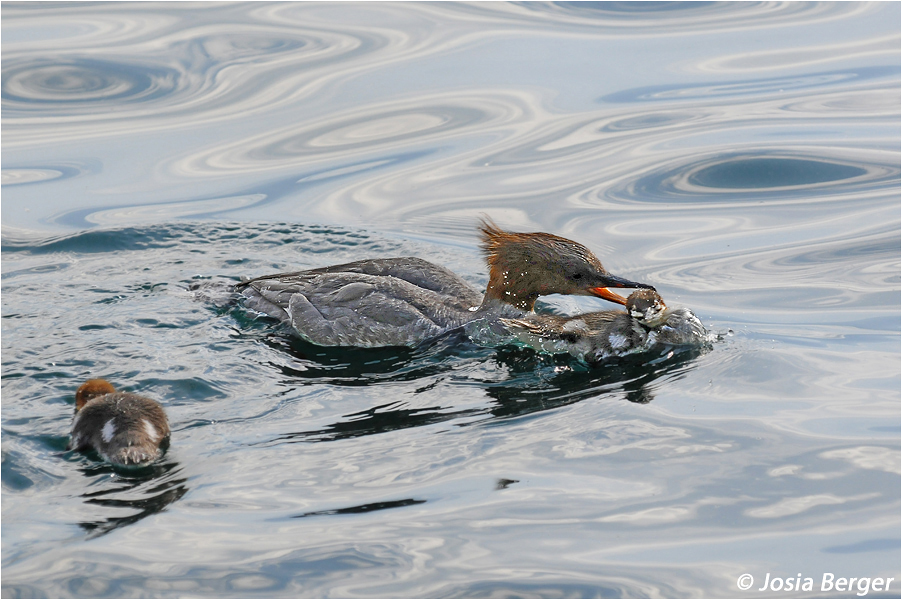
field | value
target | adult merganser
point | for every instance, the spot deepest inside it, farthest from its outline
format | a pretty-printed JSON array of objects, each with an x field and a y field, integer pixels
[
  {"x": 125, "y": 429},
  {"x": 595, "y": 336},
  {"x": 404, "y": 301}
]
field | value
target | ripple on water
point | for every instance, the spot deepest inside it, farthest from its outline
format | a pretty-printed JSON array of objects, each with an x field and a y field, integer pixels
[
  {"x": 770, "y": 172},
  {"x": 166, "y": 211},
  {"x": 672, "y": 150},
  {"x": 217, "y": 72},
  {"x": 650, "y": 120},
  {"x": 23, "y": 175},
  {"x": 764, "y": 187},
  {"x": 770, "y": 176},
  {"x": 747, "y": 89},
  {"x": 79, "y": 85},
  {"x": 655, "y": 18},
  {"x": 224, "y": 47},
  {"x": 379, "y": 128},
  {"x": 384, "y": 128},
  {"x": 246, "y": 400},
  {"x": 28, "y": 27}
]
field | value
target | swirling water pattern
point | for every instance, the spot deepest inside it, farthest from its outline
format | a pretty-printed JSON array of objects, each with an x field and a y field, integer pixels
[{"x": 742, "y": 157}]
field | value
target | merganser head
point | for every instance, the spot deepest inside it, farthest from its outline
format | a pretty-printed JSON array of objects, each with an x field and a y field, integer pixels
[
  {"x": 647, "y": 307},
  {"x": 91, "y": 389},
  {"x": 524, "y": 266}
]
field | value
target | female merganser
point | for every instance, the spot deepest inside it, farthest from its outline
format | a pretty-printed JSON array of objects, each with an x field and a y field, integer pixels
[
  {"x": 404, "y": 301},
  {"x": 595, "y": 336},
  {"x": 125, "y": 429}
]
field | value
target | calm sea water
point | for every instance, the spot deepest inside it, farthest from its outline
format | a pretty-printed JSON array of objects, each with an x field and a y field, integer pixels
[{"x": 744, "y": 158}]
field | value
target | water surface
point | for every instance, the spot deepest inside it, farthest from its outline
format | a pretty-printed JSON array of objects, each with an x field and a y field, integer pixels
[{"x": 743, "y": 158}]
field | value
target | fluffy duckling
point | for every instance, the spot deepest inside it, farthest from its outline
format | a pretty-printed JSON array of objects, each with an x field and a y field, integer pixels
[
  {"x": 594, "y": 336},
  {"x": 125, "y": 429}
]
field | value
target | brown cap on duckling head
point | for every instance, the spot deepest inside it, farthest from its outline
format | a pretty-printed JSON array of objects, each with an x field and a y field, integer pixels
[
  {"x": 524, "y": 266},
  {"x": 91, "y": 389}
]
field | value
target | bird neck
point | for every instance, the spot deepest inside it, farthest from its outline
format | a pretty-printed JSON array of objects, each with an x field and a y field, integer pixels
[{"x": 510, "y": 288}]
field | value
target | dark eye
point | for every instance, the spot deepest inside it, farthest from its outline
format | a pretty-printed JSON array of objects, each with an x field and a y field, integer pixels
[{"x": 576, "y": 276}]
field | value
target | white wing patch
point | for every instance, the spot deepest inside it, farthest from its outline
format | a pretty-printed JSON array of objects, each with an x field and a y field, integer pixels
[
  {"x": 618, "y": 341},
  {"x": 108, "y": 431},
  {"x": 151, "y": 430}
]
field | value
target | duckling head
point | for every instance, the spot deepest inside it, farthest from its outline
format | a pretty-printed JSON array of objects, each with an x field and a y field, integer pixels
[
  {"x": 91, "y": 389},
  {"x": 647, "y": 307}
]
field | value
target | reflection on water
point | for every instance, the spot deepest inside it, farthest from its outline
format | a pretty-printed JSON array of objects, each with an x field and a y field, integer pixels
[
  {"x": 236, "y": 386},
  {"x": 742, "y": 157},
  {"x": 25, "y": 175},
  {"x": 746, "y": 90},
  {"x": 363, "y": 508},
  {"x": 633, "y": 377},
  {"x": 772, "y": 173},
  {"x": 522, "y": 381},
  {"x": 143, "y": 492},
  {"x": 32, "y": 87},
  {"x": 757, "y": 177}
]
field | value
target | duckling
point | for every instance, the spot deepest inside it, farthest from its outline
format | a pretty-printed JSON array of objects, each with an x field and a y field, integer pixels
[
  {"x": 595, "y": 336},
  {"x": 126, "y": 429}
]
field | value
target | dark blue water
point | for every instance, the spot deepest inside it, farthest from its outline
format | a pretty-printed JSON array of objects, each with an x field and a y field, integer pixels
[{"x": 743, "y": 158}]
